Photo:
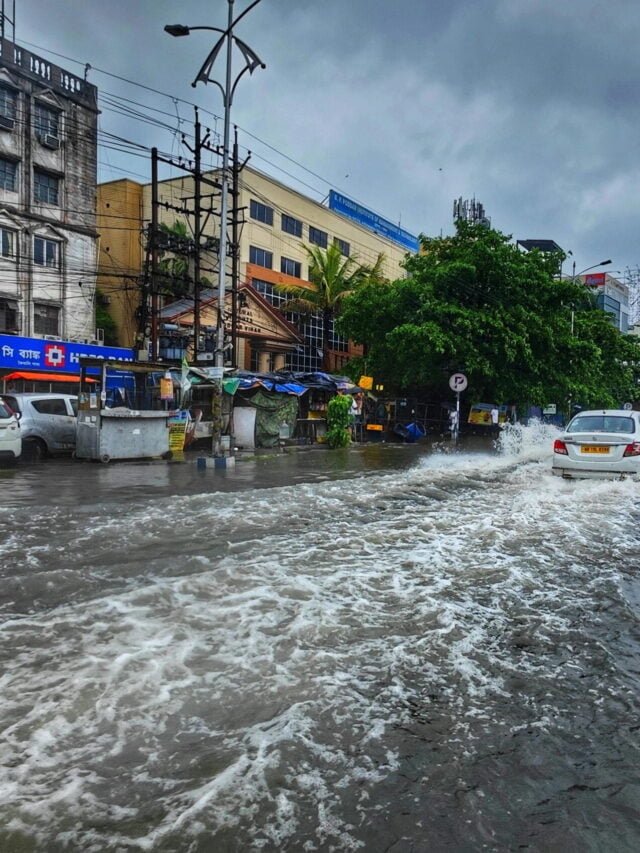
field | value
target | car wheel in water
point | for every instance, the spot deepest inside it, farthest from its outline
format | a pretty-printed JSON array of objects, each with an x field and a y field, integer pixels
[{"x": 34, "y": 449}]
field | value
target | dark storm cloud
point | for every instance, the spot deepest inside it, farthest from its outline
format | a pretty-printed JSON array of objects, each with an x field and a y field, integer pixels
[{"x": 531, "y": 105}]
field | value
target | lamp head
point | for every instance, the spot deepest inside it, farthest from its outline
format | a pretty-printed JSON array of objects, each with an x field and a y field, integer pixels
[
  {"x": 176, "y": 30},
  {"x": 604, "y": 263}
]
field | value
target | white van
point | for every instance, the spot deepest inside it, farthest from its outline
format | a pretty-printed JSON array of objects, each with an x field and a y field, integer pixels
[{"x": 10, "y": 438}]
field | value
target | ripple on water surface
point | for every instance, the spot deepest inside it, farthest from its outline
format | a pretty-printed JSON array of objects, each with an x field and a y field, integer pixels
[{"x": 439, "y": 658}]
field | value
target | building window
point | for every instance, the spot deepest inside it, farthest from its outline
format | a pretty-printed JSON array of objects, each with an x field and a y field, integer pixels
[
  {"x": 8, "y": 101},
  {"x": 46, "y": 122},
  {"x": 344, "y": 247},
  {"x": 260, "y": 257},
  {"x": 9, "y": 316},
  {"x": 8, "y": 174},
  {"x": 320, "y": 238},
  {"x": 261, "y": 212},
  {"x": 289, "y": 267},
  {"x": 7, "y": 243},
  {"x": 46, "y": 187},
  {"x": 306, "y": 357},
  {"x": 45, "y": 319},
  {"x": 291, "y": 225},
  {"x": 46, "y": 253}
]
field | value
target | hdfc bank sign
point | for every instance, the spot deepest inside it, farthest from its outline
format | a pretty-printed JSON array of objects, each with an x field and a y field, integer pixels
[
  {"x": 38, "y": 354},
  {"x": 54, "y": 356}
]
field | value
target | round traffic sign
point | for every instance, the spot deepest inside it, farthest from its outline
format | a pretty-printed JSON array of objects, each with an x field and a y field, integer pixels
[
  {"x": 628, "y": 406},
  {"x": 458, "y": 382}
]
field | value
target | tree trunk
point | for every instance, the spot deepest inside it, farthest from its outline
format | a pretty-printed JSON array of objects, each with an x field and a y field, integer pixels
[{"x": 326, "y": 345}]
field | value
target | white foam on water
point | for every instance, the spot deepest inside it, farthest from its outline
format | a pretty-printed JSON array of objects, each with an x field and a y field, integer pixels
[{"x": 250, "y": 656}]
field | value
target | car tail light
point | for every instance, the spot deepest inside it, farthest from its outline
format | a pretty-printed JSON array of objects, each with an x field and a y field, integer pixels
[
  {"x": 632, "y": 449},
  {"x": 560, "y": 447}
]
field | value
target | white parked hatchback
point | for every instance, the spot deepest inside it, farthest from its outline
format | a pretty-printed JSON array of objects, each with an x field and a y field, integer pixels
[
  {"x": 10, "y": 436},
  {"x": 599, "y": 444}
]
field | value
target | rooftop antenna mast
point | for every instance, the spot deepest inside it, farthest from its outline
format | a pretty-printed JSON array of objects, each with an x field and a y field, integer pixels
[{"x": 6, "y": 20}]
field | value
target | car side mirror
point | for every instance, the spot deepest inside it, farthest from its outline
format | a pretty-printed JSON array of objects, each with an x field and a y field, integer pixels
[{"x": 18, "y": 416}]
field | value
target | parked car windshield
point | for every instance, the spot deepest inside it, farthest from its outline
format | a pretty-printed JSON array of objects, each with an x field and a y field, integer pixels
[
  {"x": 602, "y": 423},
  {"x": 5, "y": 411}
]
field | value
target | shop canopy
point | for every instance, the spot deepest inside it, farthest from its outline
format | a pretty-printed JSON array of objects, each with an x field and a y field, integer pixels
[{"x": 42, "y": 376}]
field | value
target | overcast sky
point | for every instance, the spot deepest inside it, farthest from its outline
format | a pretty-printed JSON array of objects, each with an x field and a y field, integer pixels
[{"x": 531, "y": 106}]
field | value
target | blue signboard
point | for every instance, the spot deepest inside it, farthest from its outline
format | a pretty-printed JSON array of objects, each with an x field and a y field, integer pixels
[
  {"x": 369, "y": 219},
  {"x": 62, "y": 356}
]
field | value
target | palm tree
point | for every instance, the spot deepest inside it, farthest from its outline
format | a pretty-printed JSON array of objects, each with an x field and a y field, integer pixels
[{"x": 332, "y": 277}]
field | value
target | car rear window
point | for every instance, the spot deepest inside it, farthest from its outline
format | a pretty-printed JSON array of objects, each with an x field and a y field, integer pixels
[
  {"x": 11, "y": 402},
  {"x": 50, "y": 407},
  {"x": 5, "y": 411},
  {"x": 602, "y": 423}
]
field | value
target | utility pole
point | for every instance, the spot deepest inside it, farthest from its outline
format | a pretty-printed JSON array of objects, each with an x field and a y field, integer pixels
[
  {"x": 235, "y": 251},
  {"x": 197, "y": 229},
  {"x": 236, "y": 221},
  {"x": 158, "y": 240},
  {"x": 154, "y": 254}
]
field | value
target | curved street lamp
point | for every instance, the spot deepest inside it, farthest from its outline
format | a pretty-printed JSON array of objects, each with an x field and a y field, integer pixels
[
  {"x": 601, "y": 264},
  {"x": 252, "y": 61},
  {"x": 575, "y": 276}
]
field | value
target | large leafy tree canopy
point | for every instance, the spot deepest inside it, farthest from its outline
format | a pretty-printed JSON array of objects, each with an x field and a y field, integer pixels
[{"x": 475, "y": 302}]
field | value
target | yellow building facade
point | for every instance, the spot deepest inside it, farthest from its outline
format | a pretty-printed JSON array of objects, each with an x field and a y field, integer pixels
[{"x": 278, "y": 222}]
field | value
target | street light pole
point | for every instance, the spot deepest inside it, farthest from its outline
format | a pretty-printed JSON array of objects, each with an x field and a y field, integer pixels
[
  {"x": 252, "y": 61},
  {"x": 222, "y": 253}
]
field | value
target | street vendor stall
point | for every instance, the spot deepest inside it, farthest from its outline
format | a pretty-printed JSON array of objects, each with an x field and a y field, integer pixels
[{"x": 123, "y": 413}]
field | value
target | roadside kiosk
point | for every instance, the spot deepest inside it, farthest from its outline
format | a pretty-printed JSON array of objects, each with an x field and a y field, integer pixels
[{"x": 123, "y": 410}]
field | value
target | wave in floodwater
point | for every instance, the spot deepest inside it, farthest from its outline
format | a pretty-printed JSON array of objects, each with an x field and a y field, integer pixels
[{"x": 442, "y": 658}]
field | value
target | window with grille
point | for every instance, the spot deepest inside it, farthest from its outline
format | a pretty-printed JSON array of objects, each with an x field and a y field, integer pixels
[
  {"x": 7, "y": 243},
  {"x": 344, "y": 247},
  {"x": 260, "y": 212},
  {"x": 260, "y": 257},
  {"x": 320, "y": 238},
  {"x": 8, "y": 101},
  {"x": 8, "y": 175},
  {"x": 46, "y": 187},
  {"x": 46, "y": 122},
  {"x": 291, "y": 225},
  {"x": 289, "y": 267},
  {"x": 46, "y": 253},
  {"x": 45, "y": 319}
]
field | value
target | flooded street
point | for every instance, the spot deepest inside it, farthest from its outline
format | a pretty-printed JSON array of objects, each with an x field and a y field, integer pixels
[{"x": 384, "y": 649}]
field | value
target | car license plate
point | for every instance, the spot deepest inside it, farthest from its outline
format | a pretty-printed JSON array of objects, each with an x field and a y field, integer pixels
[{"x": 594, "y": 448}]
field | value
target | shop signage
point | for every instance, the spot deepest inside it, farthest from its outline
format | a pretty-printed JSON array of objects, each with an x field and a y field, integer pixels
[
  {"x": 366, "y": 383},
  {"x": 549, "y": 409},
  {"x": 41, "y": 354},
  {"x": 367, "y": 218}
]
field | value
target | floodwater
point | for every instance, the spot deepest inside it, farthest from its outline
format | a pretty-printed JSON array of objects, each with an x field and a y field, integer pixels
[{"x": 380, "y": 650}]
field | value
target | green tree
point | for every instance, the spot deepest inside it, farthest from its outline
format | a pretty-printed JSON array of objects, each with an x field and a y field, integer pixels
[
  {"x": 105, "y": 321},
  {"x": 474, "y": 302},
  {"x": 332, "y": 277},
  {"x": 173, "y": 267}
]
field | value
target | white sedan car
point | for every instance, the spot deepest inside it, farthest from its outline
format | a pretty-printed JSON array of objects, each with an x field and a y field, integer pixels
[{"x": 599, "y": 444}]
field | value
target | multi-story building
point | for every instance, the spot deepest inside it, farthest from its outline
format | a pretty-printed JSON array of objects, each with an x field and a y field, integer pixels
[
  {"x": 48, "y": 159},
  {"x": 612, "y": 295},
  {"x": 280, "y": 221}
]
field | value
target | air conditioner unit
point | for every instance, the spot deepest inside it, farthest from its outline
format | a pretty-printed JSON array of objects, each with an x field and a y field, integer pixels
[
  {"x": 205, "y": 356},
  {"x": 100, "y": 336},
  {"x": 50, "y": 141},
  {"x": 52, "y": 338},
  {"x": 7, "y": 123}
]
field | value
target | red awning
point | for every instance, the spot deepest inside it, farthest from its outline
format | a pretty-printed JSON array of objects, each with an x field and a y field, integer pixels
[{"x": 37, "y": 376}]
